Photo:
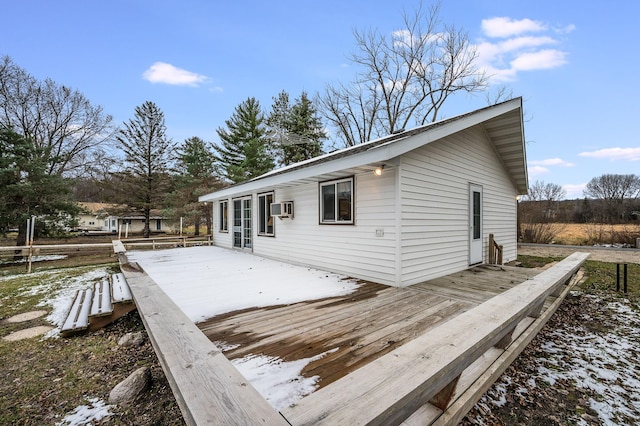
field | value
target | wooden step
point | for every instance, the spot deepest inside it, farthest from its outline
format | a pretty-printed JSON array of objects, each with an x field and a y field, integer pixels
[
  {"x": 101, "y": 305},
  {"x": 120, "y": 301},
  {"x": 78, "y": 317},
  {"x": 120, "y": 291}
]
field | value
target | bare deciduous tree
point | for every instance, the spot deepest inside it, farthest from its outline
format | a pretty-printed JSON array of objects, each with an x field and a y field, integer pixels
[
  {"x": 548, "y": 192},
  {"x": 404, "y": 79},
  {"x": 60, "y": 121},
  {"x": 537, "y": 210},
  {"x": 500, "y": 94},
  {"x": 614, "y": 191}
]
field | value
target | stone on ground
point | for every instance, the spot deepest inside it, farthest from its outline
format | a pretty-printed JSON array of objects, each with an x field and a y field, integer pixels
[
  {"x": 25, "y": 316},
  {"x": 132, "y": 339},
  {"x": 131, "y": 388},
  {"x": 28, "y": 333}
]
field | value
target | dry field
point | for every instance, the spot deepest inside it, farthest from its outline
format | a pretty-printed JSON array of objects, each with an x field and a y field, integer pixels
[{"x": 580, "y": 234}]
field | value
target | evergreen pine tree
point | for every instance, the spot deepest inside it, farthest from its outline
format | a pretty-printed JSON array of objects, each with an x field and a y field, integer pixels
[
  {"x": 244, "y": 152},
  {"x": 305, "y": 121},
  {"x": 298, "y": 128},
  {"x": 144, "y": 181},
  {"x": 197, "y": 175},
  {"x": 27, "y": 189}
]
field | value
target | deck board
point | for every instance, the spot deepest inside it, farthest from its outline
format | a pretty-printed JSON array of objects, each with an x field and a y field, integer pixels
[
  {"x": 362, "y": 326},
  {"x": 391, "y": 388}
]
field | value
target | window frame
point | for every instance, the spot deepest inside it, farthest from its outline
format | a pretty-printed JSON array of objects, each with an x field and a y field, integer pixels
[
  {"x": 223, "y": 220},
  {"x": 264, "y": 215},
  {"x": 337, "y": 220}
]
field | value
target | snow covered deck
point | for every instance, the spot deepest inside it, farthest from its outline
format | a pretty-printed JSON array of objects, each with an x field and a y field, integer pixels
[
  {"x": 357, "y": 328},
  {"x": 292, "y": 331}
]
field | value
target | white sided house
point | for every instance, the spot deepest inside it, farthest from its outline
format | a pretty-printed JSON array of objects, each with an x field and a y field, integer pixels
[
  {"x": 399, "y": 210},
  {"x": 111, "y": 218}
]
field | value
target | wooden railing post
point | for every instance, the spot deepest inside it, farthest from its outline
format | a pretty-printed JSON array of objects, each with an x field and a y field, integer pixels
[
  {"x": 492, "y": 252},
  {"x": 495, "y": 251},
  {"x": 443, "y": 397}
]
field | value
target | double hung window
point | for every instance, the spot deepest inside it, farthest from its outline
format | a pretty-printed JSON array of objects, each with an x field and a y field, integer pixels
[
  {"x": 336, "y": 201},
  {"x": 265, "y": 220},
  {"x": 224, "y": 216}
]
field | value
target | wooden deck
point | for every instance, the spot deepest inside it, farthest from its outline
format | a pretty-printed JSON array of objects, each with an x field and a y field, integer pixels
[
  {"x": 417, "y": 356},
  {"x": 360, "y": 327}
]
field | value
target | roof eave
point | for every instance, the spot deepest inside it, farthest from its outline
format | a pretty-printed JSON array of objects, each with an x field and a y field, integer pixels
[{"x": 376, "y": 154}]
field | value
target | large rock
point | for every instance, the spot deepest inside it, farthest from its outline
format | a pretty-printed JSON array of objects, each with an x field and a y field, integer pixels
[
  {"x": 132, "y": 339},
  {"x": 131, "y": 388}
]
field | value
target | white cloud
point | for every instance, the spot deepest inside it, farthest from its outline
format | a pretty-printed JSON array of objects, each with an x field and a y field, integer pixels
[
  {"x": 552, "y": 162},
  {"x": 613, "y": 154},
  {"x": 537, "y": 170},
  {"x": 524, "y": 42},
  {"x": 506, "y": 27},
  {"x": 161, "y": 72},
  {"x": 543, "y": 59},
  {"x": 574, "y": 190},
  {"x": 495, "y": 52},
  {"x": 402, "y": 37},
  {"x": 514, "y": 51},
  {"x": 566, "y": 29}
]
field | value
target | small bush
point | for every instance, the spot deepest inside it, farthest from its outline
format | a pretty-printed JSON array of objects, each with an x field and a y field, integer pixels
[{"x": 540, "y": 233}]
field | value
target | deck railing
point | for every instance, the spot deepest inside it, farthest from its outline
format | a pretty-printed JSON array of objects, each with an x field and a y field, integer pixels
[
  {"x": 167, "y": 242},
  {"x": 426, "y": 370},
  {"x": 495, "y": 251},
  {"x": 413, "y": 384}
]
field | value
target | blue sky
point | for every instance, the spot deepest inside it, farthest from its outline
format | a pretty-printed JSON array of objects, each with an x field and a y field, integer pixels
[{"x": 574, "y": 63}]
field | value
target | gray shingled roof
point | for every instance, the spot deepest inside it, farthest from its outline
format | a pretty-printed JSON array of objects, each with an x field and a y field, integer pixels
[{"x": 504, "y": 128}]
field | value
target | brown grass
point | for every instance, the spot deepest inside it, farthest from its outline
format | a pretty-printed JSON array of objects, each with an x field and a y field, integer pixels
[{"x": 588, "y": 234}]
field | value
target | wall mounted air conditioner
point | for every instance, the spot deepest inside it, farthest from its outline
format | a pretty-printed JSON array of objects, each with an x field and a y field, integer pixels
[{"x": 282, "y": 209}]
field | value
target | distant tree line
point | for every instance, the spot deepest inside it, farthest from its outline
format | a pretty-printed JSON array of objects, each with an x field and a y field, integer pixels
[
  {"x": 608, "y": 199},
  {"x": 56, "y": 148},
  {"x": 59, "y": 148}
]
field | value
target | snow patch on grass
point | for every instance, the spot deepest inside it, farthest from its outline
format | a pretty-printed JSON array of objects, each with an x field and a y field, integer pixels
[
  {"x": 35, "y": 259},
  {"x": 498, "y": 393},
  {"x": 59, "y": 294},
  {"x": 598, "y": 362},
  {"x": 596, "y": 356},
  {"x": 87, "y": 414}
]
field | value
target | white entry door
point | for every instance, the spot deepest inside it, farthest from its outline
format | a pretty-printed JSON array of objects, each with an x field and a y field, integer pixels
[
  {"x": 475, "y": 224},
  {"x": 242, "y": 230}
]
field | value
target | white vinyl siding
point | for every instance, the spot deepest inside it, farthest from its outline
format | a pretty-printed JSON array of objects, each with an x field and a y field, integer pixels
[
  {"x": 351, "y": 250},
  {"x": 435, "y": 205},
  {"x": 410, "y": 225}
]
